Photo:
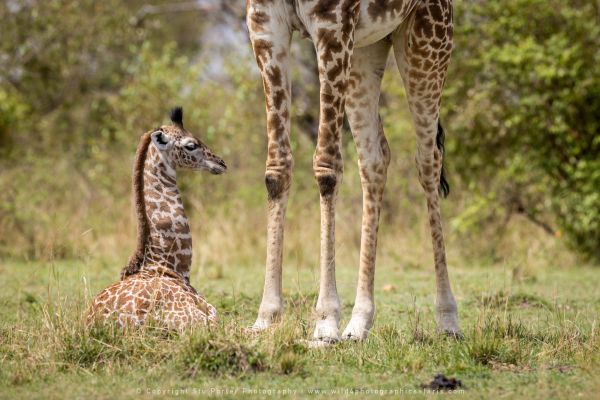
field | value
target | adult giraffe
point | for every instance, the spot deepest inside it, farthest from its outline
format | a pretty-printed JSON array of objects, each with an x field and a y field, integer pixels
[{"x": 352, "y": 39}]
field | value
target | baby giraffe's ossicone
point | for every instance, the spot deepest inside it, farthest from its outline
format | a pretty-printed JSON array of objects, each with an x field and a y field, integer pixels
[{"x": 155, "y": 283}]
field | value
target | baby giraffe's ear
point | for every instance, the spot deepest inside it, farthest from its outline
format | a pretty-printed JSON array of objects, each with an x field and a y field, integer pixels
[{"x": 160, "y": 140}]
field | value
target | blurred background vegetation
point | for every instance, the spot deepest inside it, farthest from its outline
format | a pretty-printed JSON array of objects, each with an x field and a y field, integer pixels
[{"x": 80, "y": 81}]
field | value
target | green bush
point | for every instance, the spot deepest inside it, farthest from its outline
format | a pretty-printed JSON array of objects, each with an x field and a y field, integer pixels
[
  {"x": 524, "y": 99},
  {"x": 80, "y": 81}
]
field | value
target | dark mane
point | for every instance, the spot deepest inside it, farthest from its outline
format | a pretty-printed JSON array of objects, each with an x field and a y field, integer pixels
[{"x": 143, "y": 226}]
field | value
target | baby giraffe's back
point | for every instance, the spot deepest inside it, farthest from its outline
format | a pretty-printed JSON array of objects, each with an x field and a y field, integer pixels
[{"x": 154, "y": 294}]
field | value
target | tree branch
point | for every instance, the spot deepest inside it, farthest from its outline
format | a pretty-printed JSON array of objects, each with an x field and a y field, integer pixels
[{"x": 150, "y": 9}]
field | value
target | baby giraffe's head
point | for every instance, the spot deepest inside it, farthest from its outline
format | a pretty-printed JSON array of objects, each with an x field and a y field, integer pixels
[{"x": 180, "y": 149}]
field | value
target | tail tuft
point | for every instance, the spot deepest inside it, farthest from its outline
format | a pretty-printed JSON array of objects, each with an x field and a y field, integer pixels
[{"x": 444, "y": 187}]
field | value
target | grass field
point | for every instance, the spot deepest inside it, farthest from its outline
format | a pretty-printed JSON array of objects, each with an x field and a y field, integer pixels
[{"x": 527, "y": 333}]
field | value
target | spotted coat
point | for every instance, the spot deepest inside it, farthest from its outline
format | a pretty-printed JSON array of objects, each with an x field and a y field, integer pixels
[
  {"x": 352, "y": 40},
  {"x": 156, "y": 280}
]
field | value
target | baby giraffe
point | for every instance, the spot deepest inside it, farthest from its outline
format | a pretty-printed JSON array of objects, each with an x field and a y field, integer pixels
[{"x": 155, "y": 283}]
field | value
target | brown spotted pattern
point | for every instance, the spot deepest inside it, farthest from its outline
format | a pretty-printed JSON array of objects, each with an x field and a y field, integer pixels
[
  {"x": 168, "y": 240},
  {"x": 272, "y": 58},
  {"x": 156, "y": 280},
  {"x": 422, "y": 48},
  {"x": 352, "y": 39},
  {"x": 362, "y": 108},
  {"x": 155, "y": 294}
]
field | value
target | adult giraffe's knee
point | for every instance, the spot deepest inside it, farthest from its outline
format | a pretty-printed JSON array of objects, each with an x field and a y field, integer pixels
[
  {"x": 327, "y": 184},
  {"x": 278, "y": 181},
  {"x": 328, "y": 178}
]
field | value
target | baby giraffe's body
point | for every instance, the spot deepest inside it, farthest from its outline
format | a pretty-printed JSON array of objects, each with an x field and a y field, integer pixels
[
  {"x": 155, "y": 283},
  {"x": 156, "y": 293}
]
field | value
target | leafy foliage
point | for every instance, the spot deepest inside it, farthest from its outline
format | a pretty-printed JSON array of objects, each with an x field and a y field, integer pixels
[
  {"x": 81, "y": 80},
  {"x": 524, "y": 100}
]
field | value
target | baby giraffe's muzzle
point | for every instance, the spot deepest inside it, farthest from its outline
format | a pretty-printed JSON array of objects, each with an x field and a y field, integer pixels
[{"x": 216, "y": 165}]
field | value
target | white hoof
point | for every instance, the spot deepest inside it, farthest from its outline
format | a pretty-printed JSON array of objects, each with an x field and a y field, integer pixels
[
  {"x": 357, "y": 329},
  {"x": 326, "y": 330},
  {"x": 448, "y": 324},
  {"x": 268, "y": 314},
  {"x": 258, "y": 327},
  {"x": 319, "y": 344}
]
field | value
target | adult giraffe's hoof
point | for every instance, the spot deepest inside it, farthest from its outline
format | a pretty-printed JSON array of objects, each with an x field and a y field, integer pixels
[
  {"x": 326, "y": 330},
  {"x": 321, "y": 343},
  {"x": 349, "y": 337},
  {"x": 268, "y": 314},
  {"x": 357, "y": 329},
  {"x": 453, "y": 334},
  {"x": 261, "y": 325},
  {"x": 447, "y": 321}
]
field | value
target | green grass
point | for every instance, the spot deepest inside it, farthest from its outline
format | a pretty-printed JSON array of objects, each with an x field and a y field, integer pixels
[{"x": 535, "y": 337}]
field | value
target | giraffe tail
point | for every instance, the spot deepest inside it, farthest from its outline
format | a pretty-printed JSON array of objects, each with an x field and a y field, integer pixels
[{"x": 440, "y": 138}]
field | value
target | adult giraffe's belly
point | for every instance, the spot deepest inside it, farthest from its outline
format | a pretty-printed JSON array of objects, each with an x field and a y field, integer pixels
[{"x": 379, "y": 18}]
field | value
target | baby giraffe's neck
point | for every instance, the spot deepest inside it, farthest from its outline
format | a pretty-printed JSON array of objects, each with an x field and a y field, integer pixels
[{"x": 169, "y": 240}]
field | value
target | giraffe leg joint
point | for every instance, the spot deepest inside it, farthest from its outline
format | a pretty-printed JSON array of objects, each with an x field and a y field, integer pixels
[
  {"x": 278, "y": 181},
  {"x": 275, "y": 186},
  {"x": 327, "y": 184},
  {"x": 328, "y": 178}
]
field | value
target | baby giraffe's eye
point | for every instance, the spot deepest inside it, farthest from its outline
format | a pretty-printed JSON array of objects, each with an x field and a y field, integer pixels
[{"x": 191, "y": 146}]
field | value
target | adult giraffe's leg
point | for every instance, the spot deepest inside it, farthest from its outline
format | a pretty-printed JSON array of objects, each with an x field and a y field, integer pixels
[
  {"x": 270, "y": 38},
  {"x": 362, "y": 109},
  {"x": 334, "y": 44},
  {"x": 422, "y": 47}
]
